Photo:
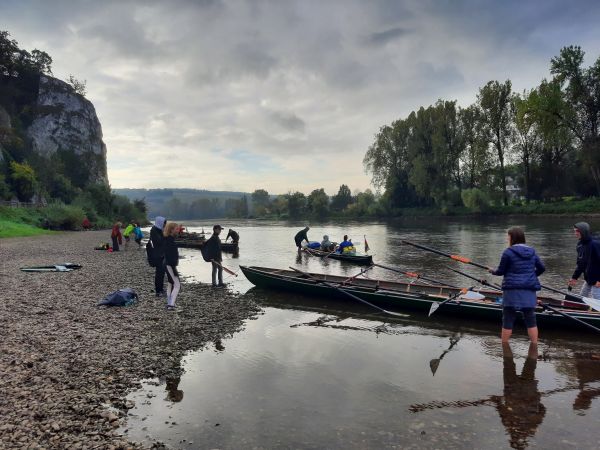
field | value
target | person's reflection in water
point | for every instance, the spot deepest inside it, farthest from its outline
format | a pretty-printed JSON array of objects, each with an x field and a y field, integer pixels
[
  {"x": 219, "y": 345},
  {"x": 587, "y": 366},
  {"x": 521, "y": 409},
  {"x": 173, "y": 394}
]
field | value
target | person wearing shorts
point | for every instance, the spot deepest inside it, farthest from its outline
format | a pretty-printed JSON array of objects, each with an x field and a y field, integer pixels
[{"x": 520, "y": 265}]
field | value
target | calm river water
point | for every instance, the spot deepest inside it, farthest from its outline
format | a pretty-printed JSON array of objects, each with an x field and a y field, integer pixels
[{"x": 310, "y": 374}]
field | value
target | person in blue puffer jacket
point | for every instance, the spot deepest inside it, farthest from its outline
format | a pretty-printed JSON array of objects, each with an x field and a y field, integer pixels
[{"x": 520, "y": 266}]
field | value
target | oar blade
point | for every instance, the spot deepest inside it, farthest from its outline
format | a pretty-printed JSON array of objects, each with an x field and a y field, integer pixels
[
  {"x": 433, "y": 365},
  {"x": 433, "y": 308},
  {"x": 592, "y": 303}
]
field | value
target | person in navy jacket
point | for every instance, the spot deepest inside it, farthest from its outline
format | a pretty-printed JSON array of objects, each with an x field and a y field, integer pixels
[{"x": 520, "y": 266}]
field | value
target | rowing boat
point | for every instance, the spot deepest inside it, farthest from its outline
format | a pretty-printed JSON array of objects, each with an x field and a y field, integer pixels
[
  {"x": 361, "y": 260},
  {"x": 228, "y": 247},
  {"x": 411, "y": 296}
]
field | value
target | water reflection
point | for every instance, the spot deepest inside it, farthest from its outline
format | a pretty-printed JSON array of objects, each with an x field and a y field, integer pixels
[
  {"x": 435, "y": 363},
  {"x": 174, "y": 394},
  {"x": 587, "y": 368},
  {"x": 521, "y": 409}
]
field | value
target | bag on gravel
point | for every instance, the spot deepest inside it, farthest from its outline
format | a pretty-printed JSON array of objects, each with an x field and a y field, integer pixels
[{"x": 122, "y": 297}]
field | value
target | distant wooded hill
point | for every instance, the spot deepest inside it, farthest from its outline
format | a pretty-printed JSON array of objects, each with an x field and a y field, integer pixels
[{"x": 188, "y": 203}]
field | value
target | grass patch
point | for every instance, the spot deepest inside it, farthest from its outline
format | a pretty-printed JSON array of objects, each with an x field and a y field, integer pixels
[{"x": 9, "y": 228}]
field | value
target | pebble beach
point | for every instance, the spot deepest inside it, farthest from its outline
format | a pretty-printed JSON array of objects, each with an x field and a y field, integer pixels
[{"x": 66, "y": 365}]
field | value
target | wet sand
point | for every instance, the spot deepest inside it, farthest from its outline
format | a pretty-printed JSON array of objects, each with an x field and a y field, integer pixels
[{"x": 66, "y": 365}]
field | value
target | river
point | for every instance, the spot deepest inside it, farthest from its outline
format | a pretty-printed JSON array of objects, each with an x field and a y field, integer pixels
[{"x": 309, "y": 374}]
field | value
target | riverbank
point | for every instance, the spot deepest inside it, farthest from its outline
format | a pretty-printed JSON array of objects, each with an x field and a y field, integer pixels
[{"x": 67, "y": 365}]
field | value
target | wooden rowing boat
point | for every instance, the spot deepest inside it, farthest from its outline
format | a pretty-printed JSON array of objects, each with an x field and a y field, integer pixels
[
  {"x": 412, "y": 296},
  {"x": 361, "y": 260},
  {"x": 228, "y": 247}
]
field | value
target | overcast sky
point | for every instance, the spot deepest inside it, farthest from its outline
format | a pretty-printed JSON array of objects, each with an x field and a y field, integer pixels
[{"x": 282, "y": 95}]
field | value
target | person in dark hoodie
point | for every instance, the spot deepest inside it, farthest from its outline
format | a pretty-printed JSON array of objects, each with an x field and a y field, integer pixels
[
  {"x": 170, "y": 263},
  {"x": 588, "y": 261},
  {"x": 211, "y": 252},
  {"x": 301, "y": 236},
  {"x": 520, "y": 266},
  {"x": 157, "y": 242}
]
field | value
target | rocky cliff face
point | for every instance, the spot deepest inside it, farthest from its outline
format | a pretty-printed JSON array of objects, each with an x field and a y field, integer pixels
[{"x": 66, "y": 122}]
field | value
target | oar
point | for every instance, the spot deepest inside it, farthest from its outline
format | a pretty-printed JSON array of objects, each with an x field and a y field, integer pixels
[
  {"x": 231, "y": 272},
  {"x": 547, "y": 306},
  {"x": 350, "y": 279},
  {"x": 414, "y": 275},
  {"x": 348, "y": 293},
  {"x": 434, "y": 306},
  {"x": 592, "y": 302},
  {"x": 435, "y": 363},
  {"x": 482, "y": 281},
  {"x": 458, "y": 258}
]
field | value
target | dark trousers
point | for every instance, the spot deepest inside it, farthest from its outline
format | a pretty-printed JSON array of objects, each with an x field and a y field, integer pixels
[
  {"x": 159, "y": 278},
  {"x": 115, "y": 241},
  {"x": 216, "y": 268}
]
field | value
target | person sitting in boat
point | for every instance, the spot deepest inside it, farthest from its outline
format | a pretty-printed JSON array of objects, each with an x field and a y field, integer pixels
[
  {"x": 235, "y": 237},
  {"x": 327, "y": 245},
  {"x": 346, "y": 246},
  {"x": 301, "y": 236}
]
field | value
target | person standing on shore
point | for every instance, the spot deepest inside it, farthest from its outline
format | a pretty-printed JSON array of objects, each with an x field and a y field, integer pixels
[
  {"x": 157, "y": 243},
  {"x": 170, "y": 263},
  {"x": 588, "y": 261},
  {"x": 137, "y": 231},
  {"x": 301, "y": 236},
  {"x": 211, "y": 252},
  {"x": 127, "y": 234},
  {"x": 116, "y": 236},
  {"x": 520, "y": 266}
]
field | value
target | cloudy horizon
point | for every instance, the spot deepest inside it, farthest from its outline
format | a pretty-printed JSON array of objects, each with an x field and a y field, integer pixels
[{"x": 280, "y": 95}]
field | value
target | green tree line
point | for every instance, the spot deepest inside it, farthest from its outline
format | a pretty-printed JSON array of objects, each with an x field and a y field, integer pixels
[{"x": 544, "y": 141}]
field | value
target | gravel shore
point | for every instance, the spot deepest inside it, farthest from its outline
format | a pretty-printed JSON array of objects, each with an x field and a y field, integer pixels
[{"x": 66, "y": 365}]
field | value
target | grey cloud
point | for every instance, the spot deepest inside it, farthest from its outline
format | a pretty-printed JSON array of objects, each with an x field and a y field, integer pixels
[
  {"x": 288, "y": 121},
  {"x": 190, "y": 76},
  {"x": 383, "y": 37}
]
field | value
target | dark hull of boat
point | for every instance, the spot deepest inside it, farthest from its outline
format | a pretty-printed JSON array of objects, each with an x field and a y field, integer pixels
[
  {"x": 408, "y": 297},
  {"x": 361, "y": 260},
  {"x": 227, "y": 247}
]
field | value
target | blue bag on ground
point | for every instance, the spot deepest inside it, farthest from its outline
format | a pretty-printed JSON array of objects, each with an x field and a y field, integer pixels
[{"x": 122, "y": 297}]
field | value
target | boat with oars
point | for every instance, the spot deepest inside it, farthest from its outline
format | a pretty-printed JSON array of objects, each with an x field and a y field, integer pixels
[
  {"x": 360, "y": 260},
  {"x": 392, "y": 297}
]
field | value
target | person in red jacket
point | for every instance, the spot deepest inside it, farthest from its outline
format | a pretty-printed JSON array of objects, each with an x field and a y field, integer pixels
[
  {"x": 86, "y": 224},
  {"x": 117, "y": 238}
]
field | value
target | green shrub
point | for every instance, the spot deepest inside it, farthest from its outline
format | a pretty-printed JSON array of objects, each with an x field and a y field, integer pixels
[{"x": 64, "y": 217}]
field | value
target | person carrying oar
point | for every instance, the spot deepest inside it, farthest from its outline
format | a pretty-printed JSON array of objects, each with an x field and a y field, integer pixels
[{"x": 520, "y": 266}]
